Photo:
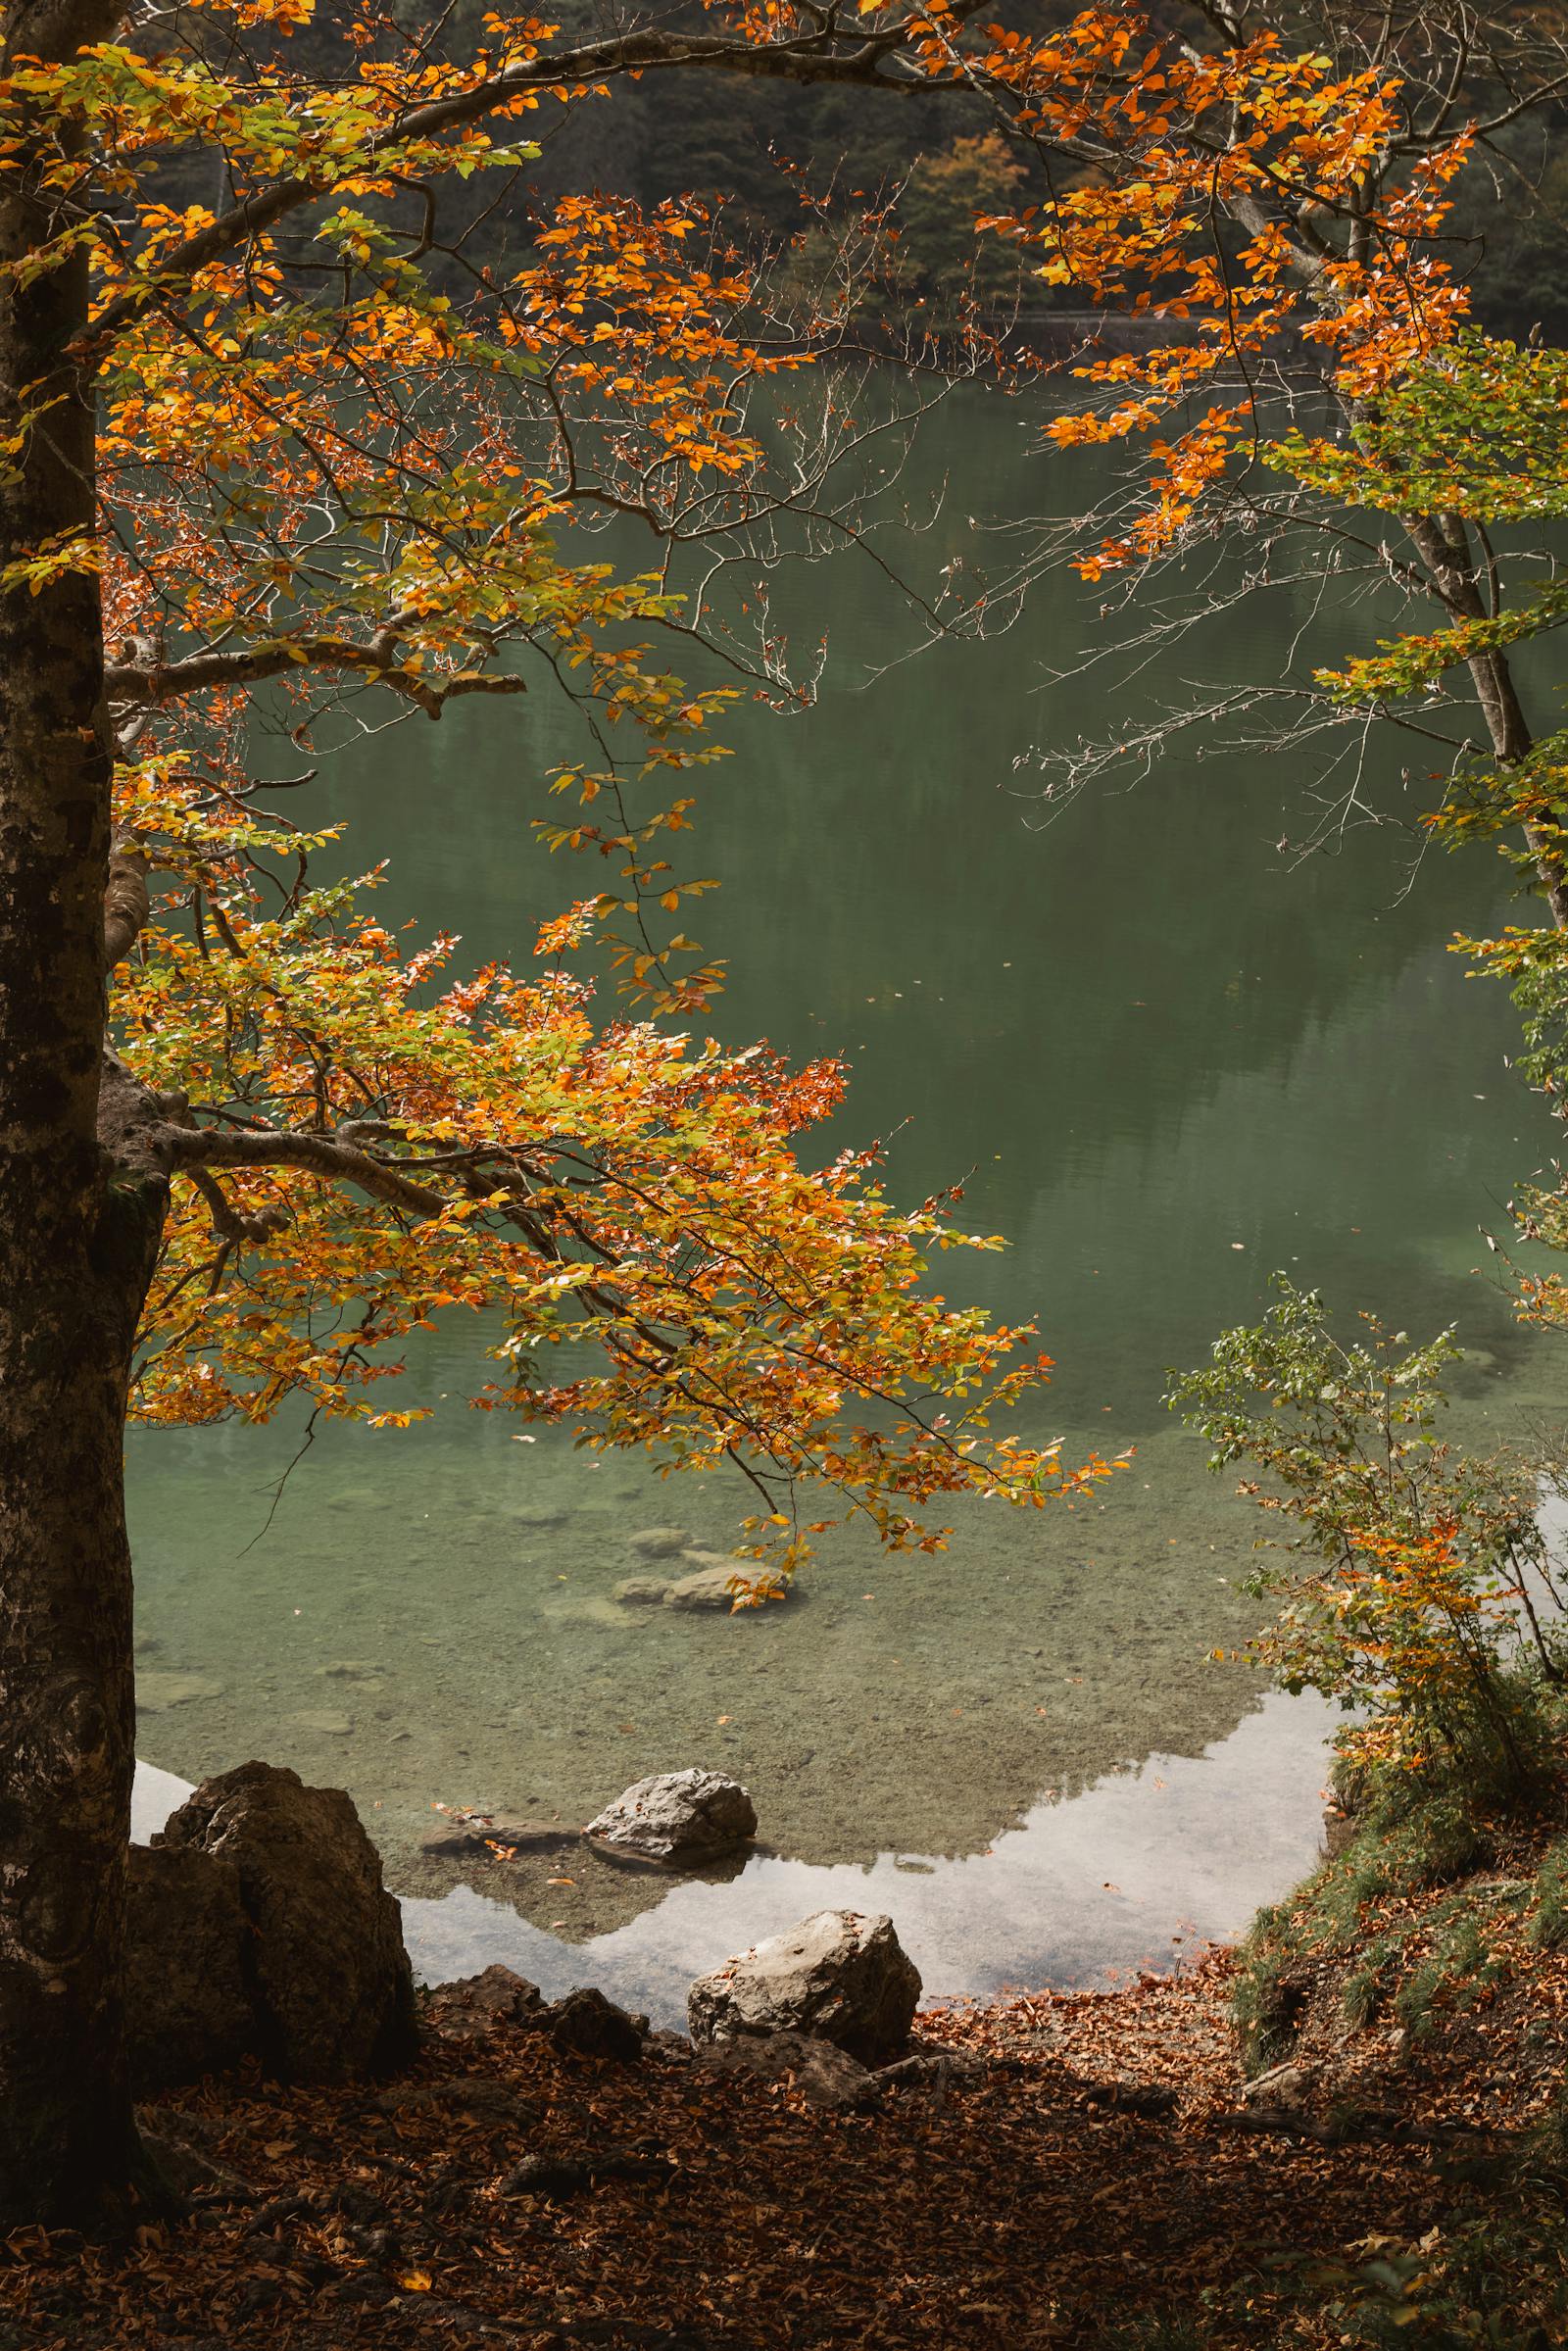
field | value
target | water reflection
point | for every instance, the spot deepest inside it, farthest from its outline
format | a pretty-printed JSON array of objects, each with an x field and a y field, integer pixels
[{"x": 1139, "y": 1869}]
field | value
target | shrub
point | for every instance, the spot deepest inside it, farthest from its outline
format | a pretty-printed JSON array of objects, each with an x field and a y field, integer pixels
[{"x": 1417, "y": 1593}]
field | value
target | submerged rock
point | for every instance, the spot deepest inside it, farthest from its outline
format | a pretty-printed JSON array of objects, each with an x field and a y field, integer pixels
[
  {"x": 678, "y": 1817},
  {"x": 839, "y": 1976},
  {"x": 591, "y": 1611},
  {"x": 660, "y": 1543},
  {"x": 329, "y": 1976},
  {"x": 463, "y": 1834},
  {"x": 707, "y": 1580},
  {"x": 713, "y": 1585},
  {"x": 642, "y": 1591},
  {"x": 157, "y": 1693}
]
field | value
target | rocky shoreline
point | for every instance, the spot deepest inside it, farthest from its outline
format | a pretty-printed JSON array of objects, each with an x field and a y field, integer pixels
[
  {"x": 261, "y": 1929},
  {"x": 1297, "y": 2142}
]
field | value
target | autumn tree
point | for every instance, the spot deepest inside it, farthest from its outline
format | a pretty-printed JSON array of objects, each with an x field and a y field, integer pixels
[
  {"x": 280, "y": 442},
  {"x": 1320, "y": 412},
  {"x": 289, "y": 436}
]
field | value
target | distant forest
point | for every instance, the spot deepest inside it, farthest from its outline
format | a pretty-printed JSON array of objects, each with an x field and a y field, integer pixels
[
  {"x": 940, "y": 161},
  {"x": 799, "y": 170}
]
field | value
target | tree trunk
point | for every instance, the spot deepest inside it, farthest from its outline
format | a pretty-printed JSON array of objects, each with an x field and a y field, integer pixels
[
  {"x": 77, "y": 1246},
  {"x": 72, "y": 1278},
  {"x": 1443, "y": 545}
]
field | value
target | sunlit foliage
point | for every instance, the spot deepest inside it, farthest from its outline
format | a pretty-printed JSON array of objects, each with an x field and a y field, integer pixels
[{"x": 322, "y": 468}]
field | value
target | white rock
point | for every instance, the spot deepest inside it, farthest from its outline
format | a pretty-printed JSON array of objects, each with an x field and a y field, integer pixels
[
  {"x": 678, "y": 1816},
  {"x": 840, "y": 1974}
]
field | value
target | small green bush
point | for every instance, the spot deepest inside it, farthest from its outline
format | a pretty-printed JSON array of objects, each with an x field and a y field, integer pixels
[{"x": 1413, "y": 1584}]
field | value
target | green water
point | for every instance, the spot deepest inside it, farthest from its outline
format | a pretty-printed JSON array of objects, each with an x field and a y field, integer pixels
[{"x": 1173, "y": 1059}]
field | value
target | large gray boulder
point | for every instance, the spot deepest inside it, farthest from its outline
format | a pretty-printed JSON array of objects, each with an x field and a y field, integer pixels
[
  {"x": 840, "y": 1974},
  {"x": 679, "y": 1817},
  {"x": 188, "y": 2005},
  {"x": 329, "y": 1976}
]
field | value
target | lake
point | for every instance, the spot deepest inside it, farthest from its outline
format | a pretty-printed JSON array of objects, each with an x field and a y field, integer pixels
[{"x": 1167, "y": 1056}]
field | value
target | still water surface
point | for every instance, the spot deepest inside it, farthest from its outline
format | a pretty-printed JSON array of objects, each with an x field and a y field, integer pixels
[{"x": 1168, "y": 1060}]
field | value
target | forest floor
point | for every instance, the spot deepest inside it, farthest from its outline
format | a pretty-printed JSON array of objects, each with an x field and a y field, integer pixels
[{"x": 1085, "y": 2172}]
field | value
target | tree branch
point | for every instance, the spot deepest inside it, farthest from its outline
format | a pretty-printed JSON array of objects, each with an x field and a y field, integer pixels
[
  {"x": 806, "y": 60},
  {"x": 153, "y": 683},
  {"x": 322, "y": 1154}
]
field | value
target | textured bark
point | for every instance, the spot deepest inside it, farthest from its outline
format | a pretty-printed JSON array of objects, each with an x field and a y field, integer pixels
[
  {"x": 1442, "y": 544},
  {"x": 77, "y": 1235}
]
